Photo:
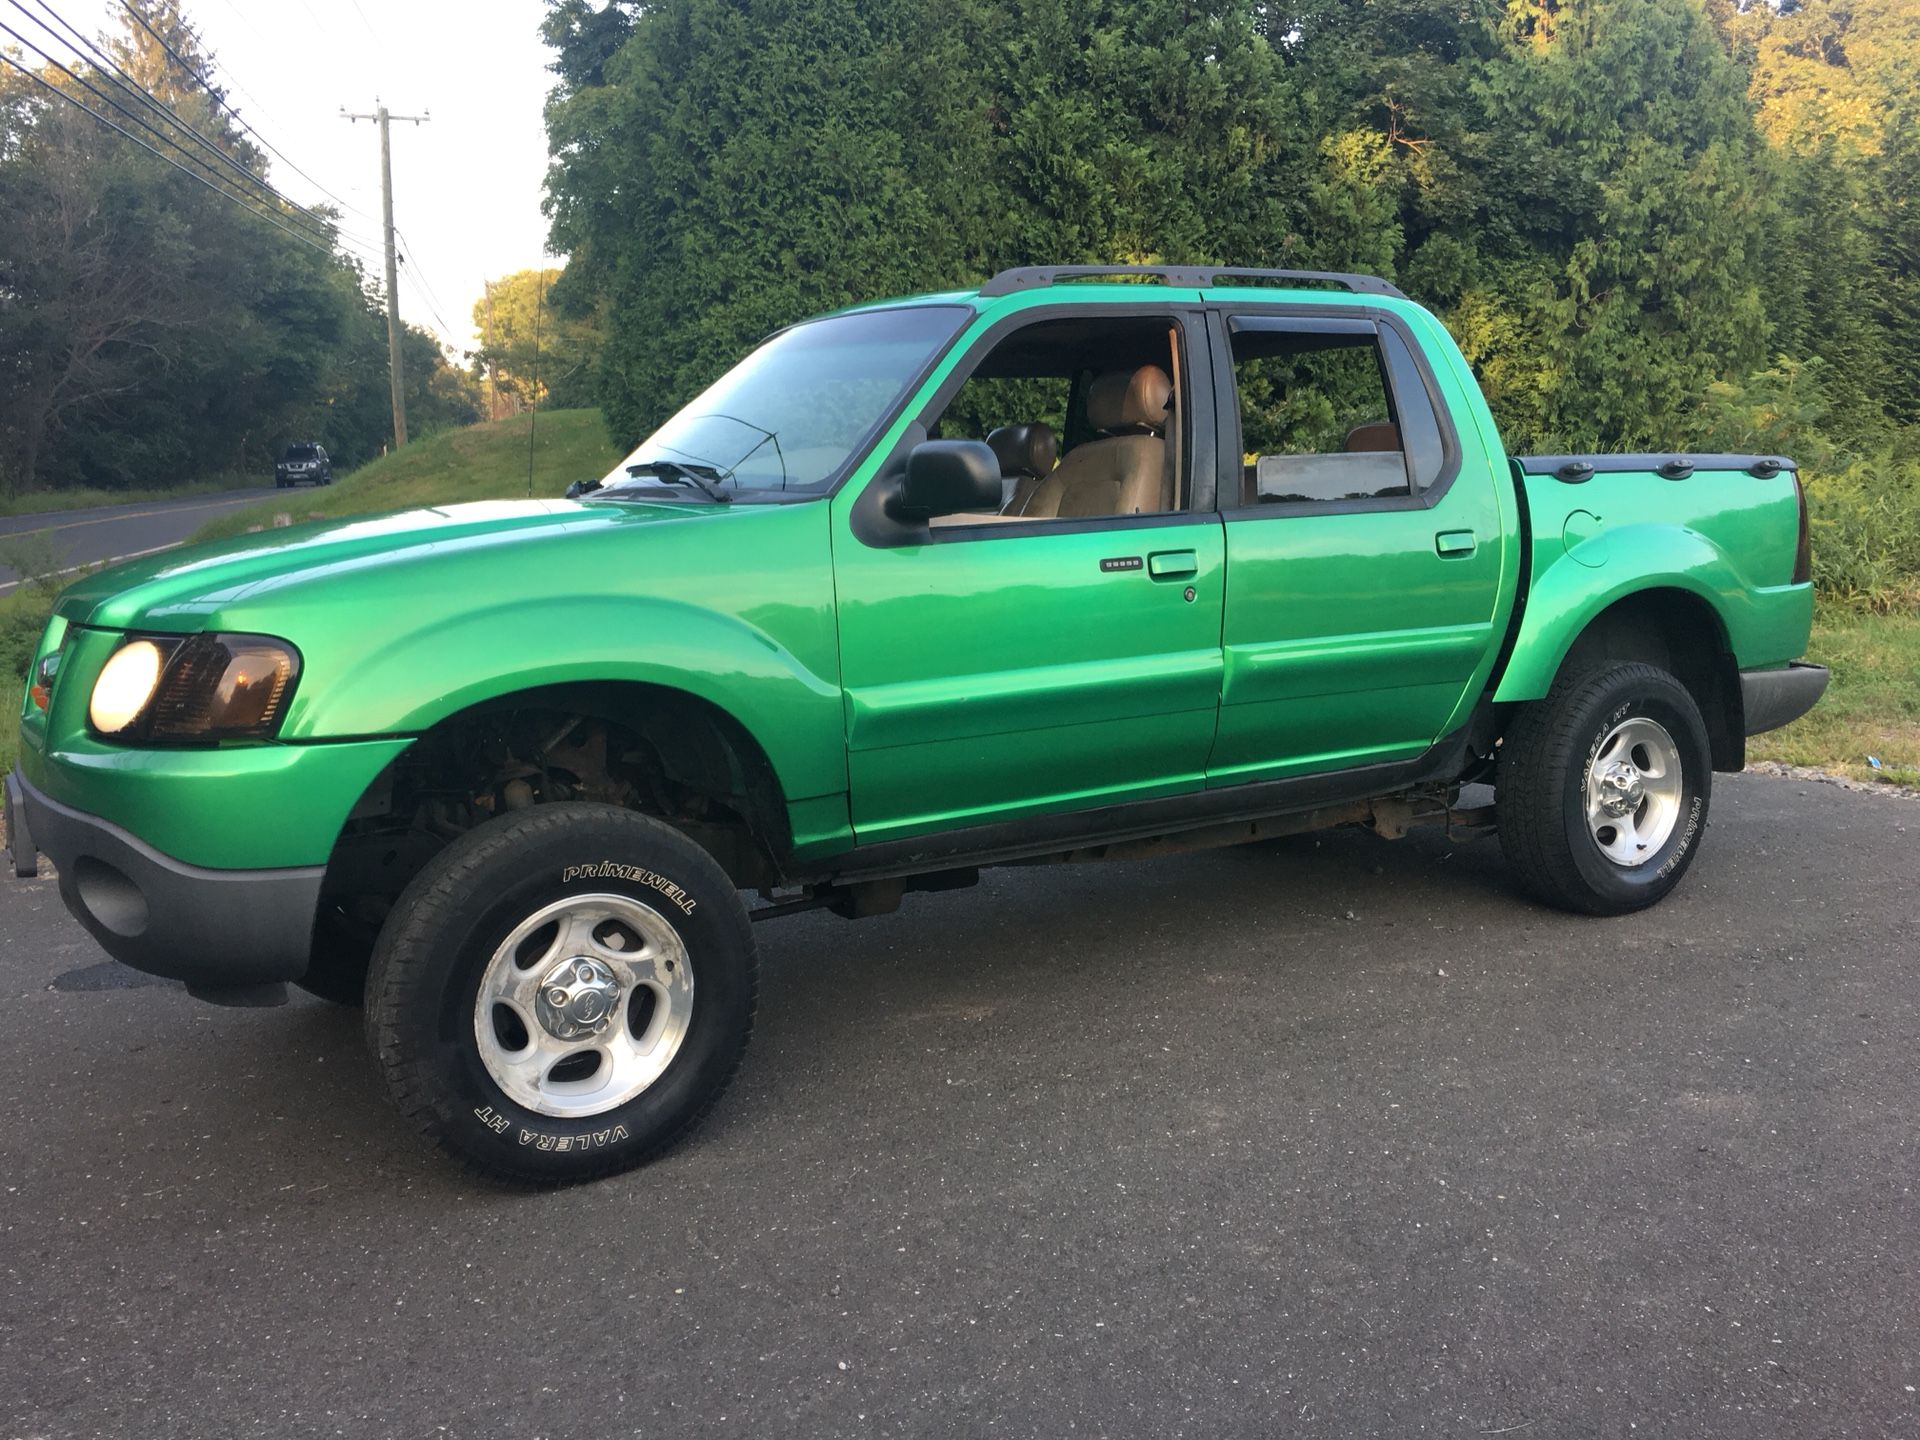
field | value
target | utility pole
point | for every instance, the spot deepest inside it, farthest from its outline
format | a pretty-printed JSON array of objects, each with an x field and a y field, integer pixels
[{"x": 381, "y": 117}]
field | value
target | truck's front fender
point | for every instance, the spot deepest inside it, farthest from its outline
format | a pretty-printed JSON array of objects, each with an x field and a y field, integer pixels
[
  {"x": 1571, "y": 587},
  {"x": 421, "y": 676}
]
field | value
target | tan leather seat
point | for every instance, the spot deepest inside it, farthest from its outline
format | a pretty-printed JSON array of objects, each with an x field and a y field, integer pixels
[
  {"x": 1124, "y": 472},
  {"x": 1379, "y": 435},
  {"x": 1026, "y": 453}
]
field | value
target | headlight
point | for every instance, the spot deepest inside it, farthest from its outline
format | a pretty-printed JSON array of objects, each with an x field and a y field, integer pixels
[
  {"x": 195, "y": 688},
  {"x": 125, "y": 686}
]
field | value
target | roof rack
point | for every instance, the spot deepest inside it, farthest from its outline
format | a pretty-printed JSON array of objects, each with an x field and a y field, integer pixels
[{"x": 1191, "y": 277}]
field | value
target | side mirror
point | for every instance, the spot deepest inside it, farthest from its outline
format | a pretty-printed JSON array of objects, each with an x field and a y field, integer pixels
[
  {"x": 945, "y": 477},
  {"x": 582, "y": 487}
]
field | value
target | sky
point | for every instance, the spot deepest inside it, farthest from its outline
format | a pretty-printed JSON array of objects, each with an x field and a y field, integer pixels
[{"x": 467, "y": 184}]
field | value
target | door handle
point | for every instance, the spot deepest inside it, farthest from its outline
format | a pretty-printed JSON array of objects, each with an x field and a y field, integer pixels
[
  {"x": 1171, "y": 564},
  {"x": 1454, "y": 543}
]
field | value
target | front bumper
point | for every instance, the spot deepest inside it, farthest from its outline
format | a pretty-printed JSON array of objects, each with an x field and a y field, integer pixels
[
  {"x": 214, "y": 929},
  {"x": 1772, "y": 698}
]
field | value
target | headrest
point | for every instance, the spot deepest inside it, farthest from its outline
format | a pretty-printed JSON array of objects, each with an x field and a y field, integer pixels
[
  {"x": 1380, "y": 435},
  {"x": 1130, "y": 400},
  {"x": 1025, "y": 449}
]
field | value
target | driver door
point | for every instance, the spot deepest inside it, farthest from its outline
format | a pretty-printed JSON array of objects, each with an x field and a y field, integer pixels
[{"x": 997, "y": 666}]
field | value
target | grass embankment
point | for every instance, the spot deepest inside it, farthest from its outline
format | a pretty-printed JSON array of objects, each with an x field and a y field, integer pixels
[
  {"x": 1871, "y": 708},
  {"x": 480, "y": 462},
  {"x": 46, "y": 502}
]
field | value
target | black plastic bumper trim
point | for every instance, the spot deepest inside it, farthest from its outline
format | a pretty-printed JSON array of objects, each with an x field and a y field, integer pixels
[
  {"x": 20, "y": 846},
  {"x": 210, "y": 928},
  {"x": 1772, "y": 698}
]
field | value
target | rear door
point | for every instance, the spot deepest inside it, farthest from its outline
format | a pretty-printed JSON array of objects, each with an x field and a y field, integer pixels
[{"x": 1364, "y": 544}]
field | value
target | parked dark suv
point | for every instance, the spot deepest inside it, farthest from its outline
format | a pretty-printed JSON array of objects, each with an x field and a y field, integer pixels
[{"x": 303, "y": 463}]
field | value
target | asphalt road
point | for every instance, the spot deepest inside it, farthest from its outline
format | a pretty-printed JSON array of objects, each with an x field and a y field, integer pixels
[
  {"x": 1340, "y": 1139},
  {"x": 80, "y": 538}
]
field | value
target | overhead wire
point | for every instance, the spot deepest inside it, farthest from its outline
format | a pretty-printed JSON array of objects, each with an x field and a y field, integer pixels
[
  {"x": 316, "y": 230},
  {"x": 170, "y": 117},
  {"x": 420, "y": 283},
  {"x": 236, "y": 198},
  {"x": 214, "y": 95},
  {"x": 368, "y": 24},
  {"x": 263, "y": 200}
]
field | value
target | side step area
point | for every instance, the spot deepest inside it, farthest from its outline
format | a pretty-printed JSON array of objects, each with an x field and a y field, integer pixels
[{"x": 1388, "y": 816}]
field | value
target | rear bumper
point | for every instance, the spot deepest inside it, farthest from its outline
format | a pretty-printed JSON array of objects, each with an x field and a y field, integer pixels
[
  {"x": 214, "y": 929},
  {"x": 1772, "y": 698}
]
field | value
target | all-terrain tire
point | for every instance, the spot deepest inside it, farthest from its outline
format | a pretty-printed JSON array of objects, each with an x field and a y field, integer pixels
[
  {"x": 453, "y": 922},
  {"x": 1546, "y": 777}
]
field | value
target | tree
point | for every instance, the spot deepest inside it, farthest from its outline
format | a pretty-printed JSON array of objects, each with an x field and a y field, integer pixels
[
  {"x": 722, "y": 169},
  {"x": 530, "y": 350},
  {"x": 152, "y": 329}
]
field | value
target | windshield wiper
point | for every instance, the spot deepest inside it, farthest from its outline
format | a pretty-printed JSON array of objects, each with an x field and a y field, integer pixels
[{"x": 674, "y": 473}]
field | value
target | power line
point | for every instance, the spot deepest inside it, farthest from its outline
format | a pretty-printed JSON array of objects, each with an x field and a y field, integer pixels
[
  {"x": 315, "y": 229},
  {"x": 420, "y": 282},
  {"x": 168, "y": 115},
  {"x": 108, "y": 100},
  {"x": 214, "y": 95},
  {"x": 426, "y": 297},
  {"x": 237, "y": 199},
  {"x": 364, "y": 21},
  {"x": 260, "y": 108}
]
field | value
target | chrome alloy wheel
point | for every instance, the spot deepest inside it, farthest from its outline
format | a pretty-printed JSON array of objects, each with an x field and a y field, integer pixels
[
  {"x": 1633, "y": 791},
  {"x": 584, "y": 1005}
]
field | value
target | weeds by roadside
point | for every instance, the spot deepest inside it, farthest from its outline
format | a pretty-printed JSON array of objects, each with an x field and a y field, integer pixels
[
  {"x": 23, "y": 616},
  {"x": 1872, "y": 708}
]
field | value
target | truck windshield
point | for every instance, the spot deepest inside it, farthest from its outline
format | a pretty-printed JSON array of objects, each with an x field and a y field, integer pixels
[{"x": 799, "y": 410}]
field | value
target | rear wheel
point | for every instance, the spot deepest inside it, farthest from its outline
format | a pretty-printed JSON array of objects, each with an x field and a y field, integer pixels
[
  {"x": 1603, "y": 789},
  {"x": 562, "y": 993}
]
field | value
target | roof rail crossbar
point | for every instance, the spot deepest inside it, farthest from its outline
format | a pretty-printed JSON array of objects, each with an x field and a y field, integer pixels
[{"x": 1190, "y": 277}]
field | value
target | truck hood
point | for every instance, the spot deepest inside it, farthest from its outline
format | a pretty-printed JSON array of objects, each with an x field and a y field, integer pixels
[{"x": 178, "y": 589}]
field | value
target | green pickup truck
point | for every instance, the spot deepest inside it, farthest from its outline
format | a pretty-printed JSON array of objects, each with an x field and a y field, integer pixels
[{"x": 1090, "y": 563}]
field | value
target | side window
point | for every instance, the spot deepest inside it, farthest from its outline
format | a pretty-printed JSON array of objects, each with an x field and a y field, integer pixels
[
  {"x": 1320, "y": 413},
  {"x": 1419, "y": 427},
  {"x": 1086, "y": 416}
]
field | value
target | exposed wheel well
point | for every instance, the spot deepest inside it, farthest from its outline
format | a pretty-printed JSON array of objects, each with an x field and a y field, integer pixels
[
  {"x": 1681, "y": 634},
  {"x": 648, "y": 748}
]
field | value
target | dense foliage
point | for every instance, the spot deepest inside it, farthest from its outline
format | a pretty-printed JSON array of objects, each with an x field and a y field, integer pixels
[
  {"x": 153, "y": 332},
  {"x": 1651, "y": 223}
]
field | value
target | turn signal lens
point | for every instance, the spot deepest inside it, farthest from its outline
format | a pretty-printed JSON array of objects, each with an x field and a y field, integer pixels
[
  {"x": 126, "y": 684},
  {"x": 224, "y": 687}
]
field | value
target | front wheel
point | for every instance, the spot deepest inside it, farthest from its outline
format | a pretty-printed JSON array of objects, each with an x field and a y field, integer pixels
[
  {"x": 1603, "y": 789},
  {"x": 562, "y": 993}
]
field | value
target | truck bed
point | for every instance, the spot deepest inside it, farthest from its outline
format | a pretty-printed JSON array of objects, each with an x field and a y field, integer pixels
[{"x": 1718, "y": 535}]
